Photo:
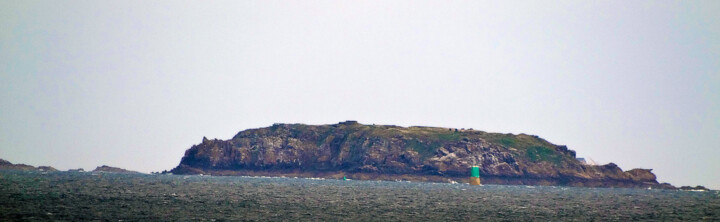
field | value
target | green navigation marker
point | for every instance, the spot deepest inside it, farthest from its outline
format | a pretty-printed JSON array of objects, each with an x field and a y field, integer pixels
[
  {"x": 475, "y": 175},
  {"x": 475, "y": 171}
]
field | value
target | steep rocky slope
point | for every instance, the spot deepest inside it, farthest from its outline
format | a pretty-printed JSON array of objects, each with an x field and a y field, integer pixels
[{"x": 398, "y": 153}]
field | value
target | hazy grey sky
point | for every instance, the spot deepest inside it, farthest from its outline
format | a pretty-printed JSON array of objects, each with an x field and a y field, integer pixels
[{"x": 134, "y": 84}]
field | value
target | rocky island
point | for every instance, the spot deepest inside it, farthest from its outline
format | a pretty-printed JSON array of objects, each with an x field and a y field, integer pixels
[
  {"x": 7, "y": 165},
  {"x": 386, "y": 152},
  {"x": 109, "y": 169}
]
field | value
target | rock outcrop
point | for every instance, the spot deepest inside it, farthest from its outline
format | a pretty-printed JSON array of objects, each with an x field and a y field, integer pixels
[
  {"x": 696, "y": 188},
  {"x": 109, "y": 169},
  {"x": 391, "y": 153},
  {"x": 7, "y": 165}
]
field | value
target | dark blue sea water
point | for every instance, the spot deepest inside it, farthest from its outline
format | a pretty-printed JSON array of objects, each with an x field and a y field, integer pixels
[{"x": 95, "y": 196}]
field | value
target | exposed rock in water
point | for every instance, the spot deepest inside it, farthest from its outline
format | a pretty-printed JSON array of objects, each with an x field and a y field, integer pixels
[
  {"x": 109, "y": 169},
  {"x": 414, "y": 153},
  {"x": 696, "y": 188},
  {"x": 7, "y": 165}
]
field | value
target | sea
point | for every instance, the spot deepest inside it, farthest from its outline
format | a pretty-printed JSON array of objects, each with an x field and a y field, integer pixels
[{"x": 93, "y": 196}]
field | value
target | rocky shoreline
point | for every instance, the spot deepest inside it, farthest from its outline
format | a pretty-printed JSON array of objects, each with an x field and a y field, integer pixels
[{"x": 429, "y": 178}]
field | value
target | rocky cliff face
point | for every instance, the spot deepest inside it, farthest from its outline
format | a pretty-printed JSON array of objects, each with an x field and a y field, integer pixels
[{"x": 391, "y": 152}]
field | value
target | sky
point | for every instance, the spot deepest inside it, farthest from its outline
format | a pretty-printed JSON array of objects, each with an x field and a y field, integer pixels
[{"x": 133, "y": 84}]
